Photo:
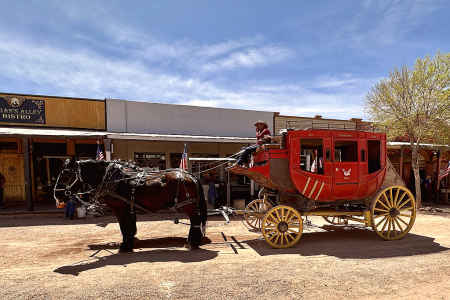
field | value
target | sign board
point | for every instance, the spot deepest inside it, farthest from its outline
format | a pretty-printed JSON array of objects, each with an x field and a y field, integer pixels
[{"x": 18, "y": 109}]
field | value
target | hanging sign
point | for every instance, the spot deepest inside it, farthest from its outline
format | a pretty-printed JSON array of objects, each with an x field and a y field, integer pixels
[{"x": 18, "y": 109}]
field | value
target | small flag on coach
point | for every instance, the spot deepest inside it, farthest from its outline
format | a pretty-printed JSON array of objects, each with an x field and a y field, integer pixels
[
  {"x": 99, "y": 153},
  {"x": 183, "y": 162},
  {"x": 445, "y": 171}
]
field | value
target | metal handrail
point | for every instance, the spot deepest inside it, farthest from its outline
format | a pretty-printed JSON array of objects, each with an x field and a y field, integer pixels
[{"x": 335, "y": 126}]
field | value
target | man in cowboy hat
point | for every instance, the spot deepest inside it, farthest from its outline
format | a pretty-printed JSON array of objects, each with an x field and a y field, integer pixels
[{"x": 262, "y": 136}]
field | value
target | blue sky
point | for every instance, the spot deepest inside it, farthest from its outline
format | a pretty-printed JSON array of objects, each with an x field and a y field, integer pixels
[{"x": 299, "y": 58}]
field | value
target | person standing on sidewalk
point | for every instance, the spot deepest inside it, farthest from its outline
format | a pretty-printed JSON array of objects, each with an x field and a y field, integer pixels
[
  {"x": 2, "y": 186},
  {"x": 70, "y": 208}
]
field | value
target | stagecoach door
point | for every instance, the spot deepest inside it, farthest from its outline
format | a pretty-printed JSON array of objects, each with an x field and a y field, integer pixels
[
  {"x": 346, "y": 161},
  {"x": 345, "y": 168}
]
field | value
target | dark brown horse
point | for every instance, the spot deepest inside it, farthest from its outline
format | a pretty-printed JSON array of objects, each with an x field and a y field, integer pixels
[{"x": 127, "y": 189}]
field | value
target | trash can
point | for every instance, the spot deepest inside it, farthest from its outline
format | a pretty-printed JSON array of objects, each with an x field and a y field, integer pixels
[{"x": 81, "y": 212}]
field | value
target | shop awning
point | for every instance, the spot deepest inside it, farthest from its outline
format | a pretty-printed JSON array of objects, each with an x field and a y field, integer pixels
[
  {"x": 180, "y": 138},
  {"x": 54, "y": 133},
  {"x": 86, "y": 134}
]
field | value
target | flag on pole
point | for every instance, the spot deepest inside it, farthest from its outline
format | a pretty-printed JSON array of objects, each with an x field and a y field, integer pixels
[
  {"x": 99, "y": 153},
  {"x": 183, "y": 163},
  {"x": 445, "y": 171}
]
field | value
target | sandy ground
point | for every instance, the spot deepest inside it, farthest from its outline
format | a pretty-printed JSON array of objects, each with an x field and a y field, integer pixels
[{"x": 53, "y": 258}]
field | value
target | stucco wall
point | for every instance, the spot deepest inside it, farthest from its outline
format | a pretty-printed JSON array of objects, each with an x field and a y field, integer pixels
[{"x": 145, "y": 117}]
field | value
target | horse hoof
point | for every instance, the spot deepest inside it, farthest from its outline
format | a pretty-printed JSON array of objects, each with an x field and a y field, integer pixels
[
  {"x": 125, "y": 250},
  {"x": 190, "y": 247}
]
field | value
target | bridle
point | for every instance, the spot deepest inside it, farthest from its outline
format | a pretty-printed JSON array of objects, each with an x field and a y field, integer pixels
[{"x": 67, "y": 185}]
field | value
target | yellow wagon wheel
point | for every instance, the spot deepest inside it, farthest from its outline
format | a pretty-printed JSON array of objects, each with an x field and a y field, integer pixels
[
  {"x": 336, "y": 220},
  {"x": 282, "y": 226},
  {"x": 393, "y": 212},
  {"x": 260, "y": 206}
]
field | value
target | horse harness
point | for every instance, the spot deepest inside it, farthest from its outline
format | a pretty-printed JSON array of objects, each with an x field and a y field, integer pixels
[{"x": 114, "y": 173}]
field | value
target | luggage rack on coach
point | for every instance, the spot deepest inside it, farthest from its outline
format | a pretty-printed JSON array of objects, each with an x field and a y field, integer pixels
[{"x": 321, "y": 125}]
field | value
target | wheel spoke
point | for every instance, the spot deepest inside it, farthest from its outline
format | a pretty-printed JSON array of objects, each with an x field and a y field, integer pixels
[
  {"x": 290, "y": 218},
  {"x": 383, "y": 210},
  {"x": 278, "y": 216},
  {"x": 272, "y": 236},
  {"x": 268, "y": 232},
  {"x": 396, "y": 197},
  {"x": 380, "y": 202},
  {"x": 398, "y": 218},
  {"x": 393, "y": 227},
  {"x": 408, "y": 216},
  {"x": 388, "y": 228},
  {"x": 293, "y": 222},
  {"x": 401, "y": 198},
  {"x": 386, "y": 197},
  {"x": 404, "y": 209},
  {"x": 404, "y": 203},
  {"x": 287, "y": 232},
  {"x": 391, "y": 200},
  {"x": 377, "y": 225},
  {"x": 398, "y": 225},
  {"x": 381, "y": 215},
  {"x": 273, "y": 221},
  {"x": 281, "y": 240},
  {"x": 385, "y": 220},
  {"x": 278, "y": 237}
]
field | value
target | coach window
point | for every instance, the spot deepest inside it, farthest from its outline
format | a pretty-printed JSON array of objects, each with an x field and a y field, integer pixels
[
  {"x": 311, "y": 155},
  {"x": 150, "y": 161},
  {"x": 346, "y": 151},
  {"x": 373, "y": 155}
]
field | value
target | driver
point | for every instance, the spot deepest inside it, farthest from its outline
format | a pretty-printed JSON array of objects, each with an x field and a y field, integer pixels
[{"x": 262, "y": 136}]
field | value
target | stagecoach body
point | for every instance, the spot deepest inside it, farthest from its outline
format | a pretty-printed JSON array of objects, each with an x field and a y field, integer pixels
[{"x": 339, "y": 174}]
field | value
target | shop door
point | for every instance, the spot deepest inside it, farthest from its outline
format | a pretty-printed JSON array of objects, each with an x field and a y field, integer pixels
[{"x": 11, "y": 166}]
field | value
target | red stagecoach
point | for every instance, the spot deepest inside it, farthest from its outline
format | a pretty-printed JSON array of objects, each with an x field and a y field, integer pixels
[{"x": 339, "y": 172}]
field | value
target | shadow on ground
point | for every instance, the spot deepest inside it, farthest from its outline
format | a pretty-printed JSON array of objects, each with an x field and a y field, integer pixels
[
  {"x": 173, "y": 251},
  {"x": 354, "y": 243}
]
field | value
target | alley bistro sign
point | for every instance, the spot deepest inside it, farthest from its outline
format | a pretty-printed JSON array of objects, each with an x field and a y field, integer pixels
[{"x": 18, "y": 109}]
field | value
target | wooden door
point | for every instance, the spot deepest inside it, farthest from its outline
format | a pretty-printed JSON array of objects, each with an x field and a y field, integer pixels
[{"x": 11, "y": 166}]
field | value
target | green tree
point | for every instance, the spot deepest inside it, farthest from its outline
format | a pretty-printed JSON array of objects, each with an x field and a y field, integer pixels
[{"x": 416, "y": 103}]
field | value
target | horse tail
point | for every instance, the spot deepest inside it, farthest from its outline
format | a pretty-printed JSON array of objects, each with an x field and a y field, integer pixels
[{"x": 203, "y": 207}]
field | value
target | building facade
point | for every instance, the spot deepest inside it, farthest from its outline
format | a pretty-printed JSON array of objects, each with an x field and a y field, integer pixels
[{"x": 38, "y": 133}]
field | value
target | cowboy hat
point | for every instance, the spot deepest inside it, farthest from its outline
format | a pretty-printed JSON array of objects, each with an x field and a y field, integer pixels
[{"x": 261, "y": 122}]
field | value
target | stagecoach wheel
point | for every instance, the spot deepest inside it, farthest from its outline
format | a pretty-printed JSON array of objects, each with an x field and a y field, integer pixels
[
  {"x": 393, "y": 212},
  {"x": 260, "y": 206},
  {"x": 282, "y": 226},
  {"x": 336, "y": 220}
]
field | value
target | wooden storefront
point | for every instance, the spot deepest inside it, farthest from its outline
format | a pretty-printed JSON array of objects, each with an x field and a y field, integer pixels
[{"x": 38, "y": 133}]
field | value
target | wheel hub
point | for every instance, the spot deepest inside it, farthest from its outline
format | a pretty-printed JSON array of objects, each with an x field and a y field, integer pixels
[
  {"x": 283, "y": 227},
  {"x": 393, "y": 212}
]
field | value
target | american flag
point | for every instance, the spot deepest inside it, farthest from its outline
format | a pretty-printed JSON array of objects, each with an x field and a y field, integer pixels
[
  {"x": 183, "y": 163},
  {"x": 445, "y": 171},
  {"x": 99, "y": 154}
]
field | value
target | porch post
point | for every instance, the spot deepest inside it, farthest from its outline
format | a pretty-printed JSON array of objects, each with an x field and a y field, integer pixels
[
  {"x": 400, "y": 162},
  {"x": 27, "y": 173},
  {"x": 438, "y": 171},
  {"x": 108, "y": 148}
]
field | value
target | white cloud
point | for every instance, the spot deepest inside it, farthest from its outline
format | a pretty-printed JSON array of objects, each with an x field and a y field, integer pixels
[
  {"x": 251, "y": 58},
  {"x": 54, "y": 71},
  {"x": 148, "y": 69}
]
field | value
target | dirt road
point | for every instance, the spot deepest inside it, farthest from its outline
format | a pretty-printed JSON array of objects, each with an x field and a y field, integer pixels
[{"x": 53, "y": 258}]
